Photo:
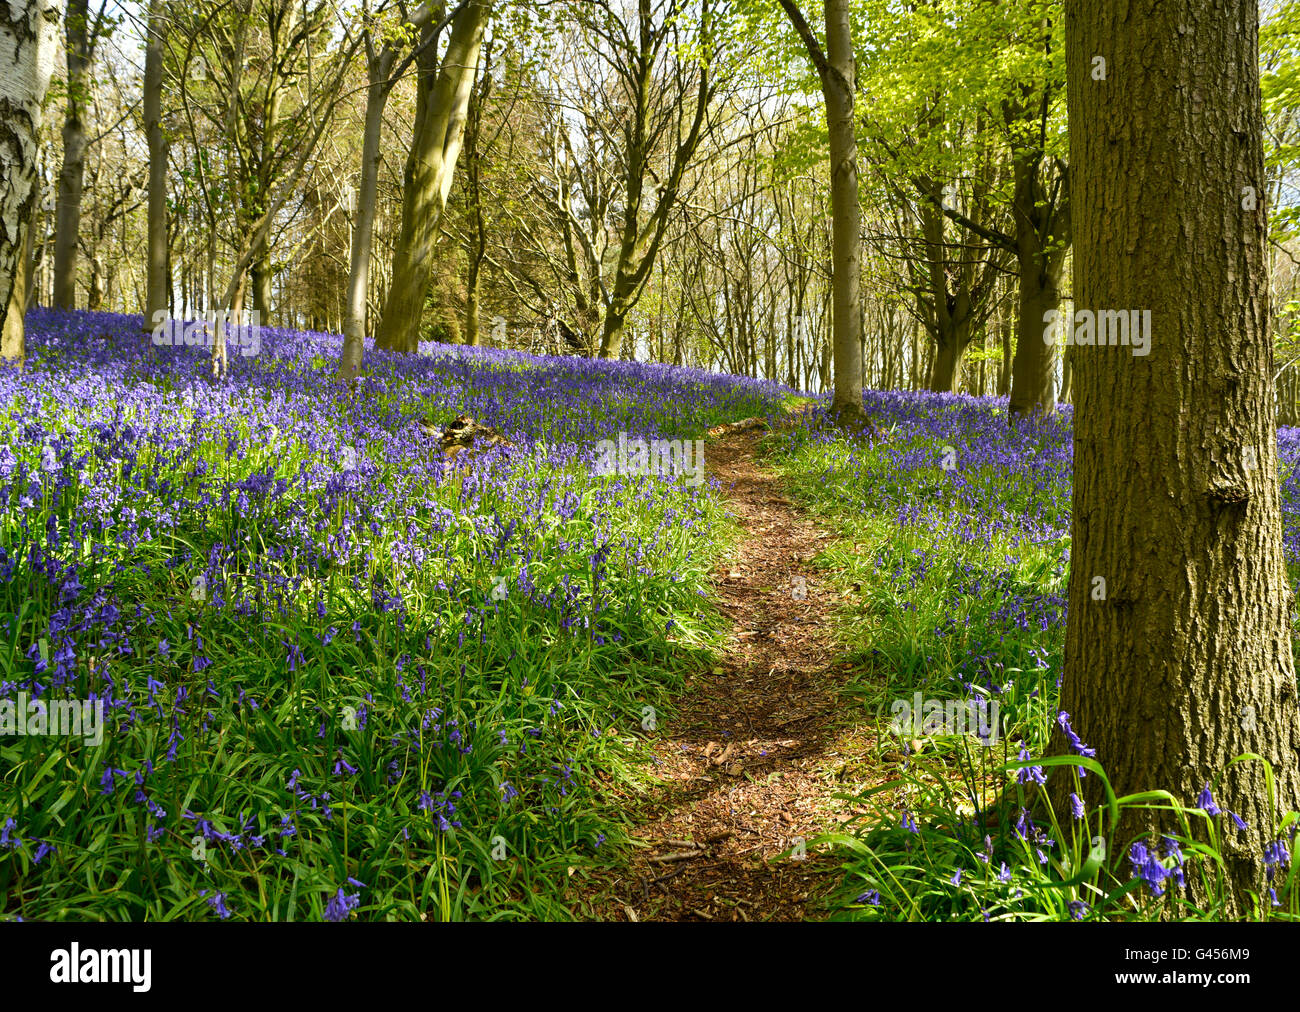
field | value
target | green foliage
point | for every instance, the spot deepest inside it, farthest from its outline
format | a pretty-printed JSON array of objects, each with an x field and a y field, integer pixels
[
  {"x": 1279, "y": 44},
  {"x": 460, "y": 755},
  {"x": 954, "y": 579}
]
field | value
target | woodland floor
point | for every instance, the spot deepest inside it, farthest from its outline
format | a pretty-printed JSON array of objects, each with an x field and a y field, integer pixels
[{"x": 749, "y": 761}]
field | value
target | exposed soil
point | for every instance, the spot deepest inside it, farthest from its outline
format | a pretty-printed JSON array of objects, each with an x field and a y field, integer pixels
[{"x": 748, "y": 757}]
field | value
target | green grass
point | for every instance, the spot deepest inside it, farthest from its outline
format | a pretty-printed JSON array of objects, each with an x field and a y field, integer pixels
[
  {"x": 954, "y": 581},
  {"x": 284, "y": 732}
]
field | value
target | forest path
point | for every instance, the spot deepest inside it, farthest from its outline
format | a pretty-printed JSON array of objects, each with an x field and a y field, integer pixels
[{"x": 749, "y": 757}]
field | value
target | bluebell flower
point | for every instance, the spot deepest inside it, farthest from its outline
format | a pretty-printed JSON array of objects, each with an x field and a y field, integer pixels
[
  {"x": 1029, "y": 774},
  {"x": 341, "y": 905}
]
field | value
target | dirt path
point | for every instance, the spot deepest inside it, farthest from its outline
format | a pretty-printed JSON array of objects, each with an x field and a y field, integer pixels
[{"x": 748, "y": 758}]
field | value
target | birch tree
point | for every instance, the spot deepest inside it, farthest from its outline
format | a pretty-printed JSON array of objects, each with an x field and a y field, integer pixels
[{"x": 28, "y": 46}]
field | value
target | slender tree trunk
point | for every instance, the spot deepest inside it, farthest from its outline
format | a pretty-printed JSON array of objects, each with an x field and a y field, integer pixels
[
  {"x": 442, "y": 101},
  {"x": 1004, "y": 374},
  {"x": 67, "y": 228},
  {"x": 261, "y": 276},
  {"x": 378, "y": 68},
  {"x": 839, "y": 86},
  {"x": 473, "y": 176},
  {"x": 31, "y": 262},
  {"x": 28, "y": 43},
  {"x": 472, "y": 336},
  {"x": 262, "y": 272},
  {"x": 838, "y": 72},
  {"x": 1067, "y": 375},
  {"x": 1186, "y": 663},
  {"x": 96, "y": 292}
]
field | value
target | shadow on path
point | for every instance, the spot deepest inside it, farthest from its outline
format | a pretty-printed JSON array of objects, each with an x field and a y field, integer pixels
[{"x": 747, "y": 760}]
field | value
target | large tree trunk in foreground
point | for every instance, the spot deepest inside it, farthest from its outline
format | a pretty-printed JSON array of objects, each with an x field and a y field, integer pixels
[
  {"x": 441, "y": 104},
  {"x": 1187, "y": 662},
  {"x": 28, "y": 43},
  {"x": 158, "y": 281}
]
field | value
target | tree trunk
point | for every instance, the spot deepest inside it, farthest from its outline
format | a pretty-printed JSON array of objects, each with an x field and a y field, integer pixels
[
  {"x": 441, "y": 104},
  {"x": 472, "y": 336},
  {"x": 12, "y": 338},
  {"x": 1004, "y": 373},
  {"x": 839, "y": 87},
  {"x": 1187, "y": 662},
  {"x": 261, "y": 276},
  {"x": 95, "y": 294},
  {"x": 477, "y": 251},
  {"x": 363, "y": 224},
  {"x": 261, "y": 271},
  {"x": 1067, "y": 375},
  {"x": 945, "y": 371},
  {"x": 158, "y": 285},
  {"x": 1042, "y": 236},
  {"x": 838, "y": 72},
  {"x": 1033, "y": 373},
  {"x": 28, "y": 43},
  {"x": 611, "y": 331},
  {"x": 72, "y": 173}
]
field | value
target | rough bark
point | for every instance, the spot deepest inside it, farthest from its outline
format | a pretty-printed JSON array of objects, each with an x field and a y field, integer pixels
[
  {"x": 12, "y": 342},
  {"x": 28, "y": 43},
  {"x": 1187, "y": 662}
]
